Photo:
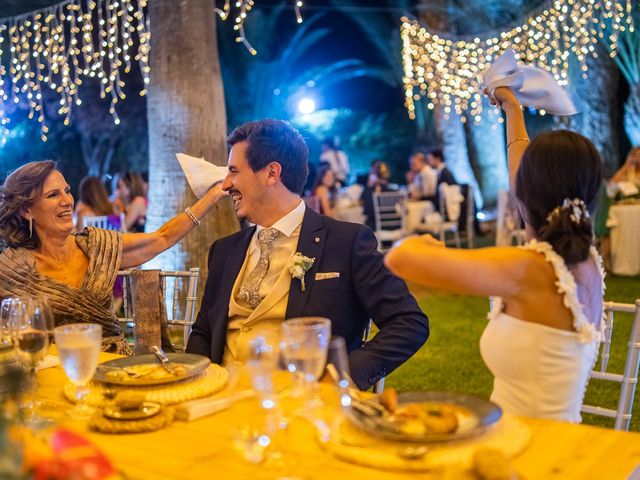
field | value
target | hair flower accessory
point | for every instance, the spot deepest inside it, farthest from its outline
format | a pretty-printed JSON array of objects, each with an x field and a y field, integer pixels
[
  {"x": 299, "y": 266},
  {"x": 578, "y": 210}
]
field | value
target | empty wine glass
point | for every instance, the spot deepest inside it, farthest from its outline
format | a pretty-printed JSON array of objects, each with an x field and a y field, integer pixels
[
  {"x": 6, "y": 310},
  {"x": 78, "y": 347},
  {"x": 31, "y": 323},
  {"x": 304, "y": 346}
]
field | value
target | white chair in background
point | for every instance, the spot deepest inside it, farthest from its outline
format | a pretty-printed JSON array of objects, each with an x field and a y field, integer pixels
[
  {"x": 180, "y": 302},
  {"x": 107, "y": 222},
  {"x": 390, "y": 214},
  {"x": 508, "y": 231},
  {"x": 448, "y": 219},
  {"x": 629, "y": 378}
]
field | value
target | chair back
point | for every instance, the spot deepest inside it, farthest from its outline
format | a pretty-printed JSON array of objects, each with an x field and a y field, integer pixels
[
  {"x": 107, "y": 222},
  {"x": 390, "y": 210},
  {"x": 629, "y": 378},
  {"x": 312, "y": 202},
  {"x": 179, "y": 292},
  {"x": 508, "y": 229}
]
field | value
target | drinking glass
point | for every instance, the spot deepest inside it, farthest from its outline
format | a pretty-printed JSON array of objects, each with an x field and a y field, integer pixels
[
  {"x": 6, "y": 310},
  {"x": 78, "y": 347},
  {"x": 31, "y": 323},
  {"x": 338, "y": 366},
  {"x": 304, "y": 346},
  {"x": 256, "y": 436}
]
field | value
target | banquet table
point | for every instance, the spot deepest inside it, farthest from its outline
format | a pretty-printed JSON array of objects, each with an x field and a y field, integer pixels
[
  {"x": 416, "y": 212},
  {"x": 203, "y": 448},
  {"x": 625, "y": 238}
]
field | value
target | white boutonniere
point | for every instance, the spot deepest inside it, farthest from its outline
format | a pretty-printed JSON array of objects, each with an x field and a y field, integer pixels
[{"x": 299, "y": 266}]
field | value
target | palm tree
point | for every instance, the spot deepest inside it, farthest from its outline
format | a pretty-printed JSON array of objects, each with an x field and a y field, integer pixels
[
  {"x": 266, "y": 85},
  {"x": 186, "y": 113}
]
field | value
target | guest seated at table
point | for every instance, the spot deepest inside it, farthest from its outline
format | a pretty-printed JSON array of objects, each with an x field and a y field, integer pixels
[
  {"x": 94, "y": 200},
  {"x": 630, "y": 170},
  {"x": 422, "y": 180},
  {"x": 377, "y": 181},
  {"x": 435, "y": 159},
  {"x": 39, "y": 256},
  {"x": 326, "y": 191},
  {"x": 259, "y": 277},
  {"x": 542, "y": 337},
  {"x": 131, "y": 199}
]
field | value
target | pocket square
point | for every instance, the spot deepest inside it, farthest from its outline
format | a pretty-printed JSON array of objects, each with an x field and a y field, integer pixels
[{"x": 327, "y": 275}]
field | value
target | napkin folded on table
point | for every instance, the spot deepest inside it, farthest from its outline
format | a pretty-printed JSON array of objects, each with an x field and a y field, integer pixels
[
  {"x": 48, "y": 362},
  {"x": 201, "y": 175},
  {"x": 533, "y": 86},
  {"x": 208, "y": 406}
]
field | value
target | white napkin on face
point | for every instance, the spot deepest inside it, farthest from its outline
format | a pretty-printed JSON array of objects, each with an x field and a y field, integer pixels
[
  {"x": 533, "y": 86},
  {"x": 201, "y": 174}
]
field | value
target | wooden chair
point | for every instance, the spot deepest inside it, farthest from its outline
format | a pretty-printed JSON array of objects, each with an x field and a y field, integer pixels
[
  {"x": 629, "y": 378},
  {"x": 180, "y": 303}
]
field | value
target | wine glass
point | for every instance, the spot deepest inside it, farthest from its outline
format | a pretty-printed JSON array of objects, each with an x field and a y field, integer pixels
[
  {"x": 6, "y": 310},
  {"x": 304, "y": 345},
  {"x": 78, "y": 347},
  {"x": 31, "y": 322}
]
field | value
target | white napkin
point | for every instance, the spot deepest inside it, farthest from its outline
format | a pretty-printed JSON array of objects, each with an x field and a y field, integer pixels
[
  {"x": 453, "y": 199},
  {"x": 201, "y": 175},
  {"x": 208, "y": 406},
  {"x": 533, "y": 86},
  {"x": 48, "y": 362}
]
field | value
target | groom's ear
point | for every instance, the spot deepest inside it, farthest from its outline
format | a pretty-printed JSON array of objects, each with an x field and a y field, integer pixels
[{"x": 274, "y": 170}]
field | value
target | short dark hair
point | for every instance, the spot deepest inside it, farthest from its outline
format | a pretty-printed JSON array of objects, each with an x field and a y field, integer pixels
[
  {"x": 437, "y": 153},
  {"x": 277, "y": 141},
  {"x": 18, "y": 192},
  {"x": 560, "y": 165}
]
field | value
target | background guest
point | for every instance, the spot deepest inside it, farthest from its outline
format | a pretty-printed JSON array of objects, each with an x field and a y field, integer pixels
[
  {"x": 131, "y": 199},
  {"x": 377, "y": 181},
  {"x": 94, "y": 200},
  {"x": 421, "y": 178},
  {"x": 630, "y": 170},
  {"x": 336, "y": 158},
  {"x": 435, "y": 160},
  {"x": 326, "y": 191}
]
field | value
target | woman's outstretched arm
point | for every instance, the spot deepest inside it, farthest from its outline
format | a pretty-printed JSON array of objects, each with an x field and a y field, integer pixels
[{"x": 141, "y": 247}]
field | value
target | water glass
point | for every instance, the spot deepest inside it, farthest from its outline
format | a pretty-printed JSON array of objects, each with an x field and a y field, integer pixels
[
  {"x": 304, "y": 345},
  {"x": 78, "y": 347}
]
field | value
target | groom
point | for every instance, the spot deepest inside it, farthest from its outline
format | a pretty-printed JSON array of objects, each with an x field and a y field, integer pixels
[{"x": 251, "y": 286}]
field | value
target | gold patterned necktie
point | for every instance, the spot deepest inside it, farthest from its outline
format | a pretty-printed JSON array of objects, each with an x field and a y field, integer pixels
[{"x": 250, "y": 289}]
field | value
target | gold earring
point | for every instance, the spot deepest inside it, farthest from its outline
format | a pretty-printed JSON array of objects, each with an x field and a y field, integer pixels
[{"x": 30, "y": 227}]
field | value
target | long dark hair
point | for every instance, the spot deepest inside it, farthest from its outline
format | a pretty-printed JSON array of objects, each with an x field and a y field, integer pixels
[
  {"x": 18, "y": 192},
  {"x": 93, "y": 193},
  {"x": 560, "y": 165},
  {"x": 133, "y": 182},
  {"x": 319, "y": 179}
]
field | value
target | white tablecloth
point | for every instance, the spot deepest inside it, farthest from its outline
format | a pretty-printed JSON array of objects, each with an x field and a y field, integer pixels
[
  {"x": 350, "y": 213},
  {"x": 625, "y": 239}
]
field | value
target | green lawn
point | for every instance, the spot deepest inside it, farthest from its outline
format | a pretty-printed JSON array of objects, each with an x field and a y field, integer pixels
[{"x": 450, "y": 360}]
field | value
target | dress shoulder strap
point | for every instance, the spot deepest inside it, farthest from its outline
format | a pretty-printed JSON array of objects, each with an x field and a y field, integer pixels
[{"x": 566, "y": 284}]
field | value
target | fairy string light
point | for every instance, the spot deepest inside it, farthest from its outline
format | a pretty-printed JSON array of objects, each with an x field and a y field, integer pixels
[
  {"x": 56, "y": 47},
  {"x": 447, "y": 71},
  {"x": 244, "y": 7}
]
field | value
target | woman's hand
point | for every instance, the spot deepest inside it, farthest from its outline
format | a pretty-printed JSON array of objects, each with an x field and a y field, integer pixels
[{"x": 502, "y": 97}]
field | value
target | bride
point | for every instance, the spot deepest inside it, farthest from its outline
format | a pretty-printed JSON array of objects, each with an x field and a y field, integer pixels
[{"x": 542, "y": 337}]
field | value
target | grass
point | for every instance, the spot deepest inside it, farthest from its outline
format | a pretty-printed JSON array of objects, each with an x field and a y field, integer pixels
[{"x": 450, "y": 360}]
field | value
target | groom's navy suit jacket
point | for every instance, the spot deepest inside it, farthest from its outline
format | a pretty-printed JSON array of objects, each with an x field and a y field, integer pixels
[{"x": 364, "y": 289}]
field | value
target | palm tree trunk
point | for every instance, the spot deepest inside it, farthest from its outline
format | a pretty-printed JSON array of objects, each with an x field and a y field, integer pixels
[
  {"x": 632, "y": 115},
  {"x": 452, "y": 137},
  {"x": 186, "y": 113},
  {"x": 488, "y": 153},
  {"x": 597, "y": 94}
]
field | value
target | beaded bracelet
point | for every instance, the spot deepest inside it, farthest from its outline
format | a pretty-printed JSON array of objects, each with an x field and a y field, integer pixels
[
  {"x": 192, "y": 216},
  {"x": 519, "y": 139}
]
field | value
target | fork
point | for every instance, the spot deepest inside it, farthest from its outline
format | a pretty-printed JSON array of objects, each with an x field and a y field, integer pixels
[{"x": 164, "y": 360}]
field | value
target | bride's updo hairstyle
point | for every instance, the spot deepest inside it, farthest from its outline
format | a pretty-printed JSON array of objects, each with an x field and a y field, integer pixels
[{"x": 557, "y": 187}]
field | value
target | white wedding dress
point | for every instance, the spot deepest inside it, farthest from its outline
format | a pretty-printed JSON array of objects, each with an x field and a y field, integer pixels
[{"x": 542, "y": 371}]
